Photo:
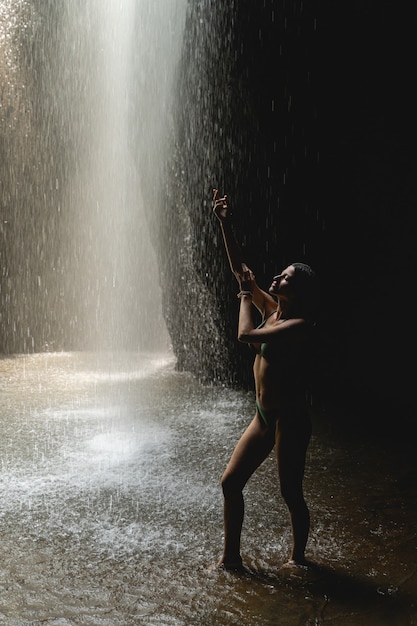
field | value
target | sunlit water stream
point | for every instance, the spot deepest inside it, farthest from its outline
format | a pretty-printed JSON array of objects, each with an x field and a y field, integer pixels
[{"x": 111, "y": 506}]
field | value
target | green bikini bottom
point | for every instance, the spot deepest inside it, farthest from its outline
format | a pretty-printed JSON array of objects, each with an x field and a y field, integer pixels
[{"x": 269, "y": 417}]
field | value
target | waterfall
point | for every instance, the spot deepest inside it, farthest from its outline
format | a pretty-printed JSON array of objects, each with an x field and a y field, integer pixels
[{"x": 86, "y": 102}]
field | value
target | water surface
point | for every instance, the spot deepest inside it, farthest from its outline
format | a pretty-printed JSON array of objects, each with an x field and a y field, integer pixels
[{"x": 111, "y": 506}]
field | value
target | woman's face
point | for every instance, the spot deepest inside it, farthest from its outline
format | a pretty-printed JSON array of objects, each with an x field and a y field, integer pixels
[{"x": 281, "y": 283}]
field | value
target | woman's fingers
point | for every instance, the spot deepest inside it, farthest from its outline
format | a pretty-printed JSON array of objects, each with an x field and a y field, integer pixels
[{"x": 219, "y": 201}]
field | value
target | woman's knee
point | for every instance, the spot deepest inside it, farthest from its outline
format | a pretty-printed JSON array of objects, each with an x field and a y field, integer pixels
[{"x": 230, "y": 484}]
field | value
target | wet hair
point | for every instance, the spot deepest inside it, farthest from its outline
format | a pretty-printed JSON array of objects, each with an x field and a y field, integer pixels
[
  {"x": 308, "y": 295},
  {"x": 303, "y": 267}
]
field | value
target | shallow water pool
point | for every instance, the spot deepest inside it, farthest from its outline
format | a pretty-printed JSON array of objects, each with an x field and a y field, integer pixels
[{"x": 111, "y": 509}]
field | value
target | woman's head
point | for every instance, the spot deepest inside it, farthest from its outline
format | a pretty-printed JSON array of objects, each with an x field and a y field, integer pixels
[{"x": 299, "y": 283}]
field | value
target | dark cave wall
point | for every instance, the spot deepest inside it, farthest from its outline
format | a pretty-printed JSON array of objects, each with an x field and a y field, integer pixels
[
  {"x": 304, "y": 114},
  {"x": 368, "y": 137}
]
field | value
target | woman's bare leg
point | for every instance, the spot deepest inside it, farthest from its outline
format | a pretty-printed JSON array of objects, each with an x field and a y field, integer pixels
[
  {"x": 292, "y": 442},
  {"x": 251, "y": 450}
]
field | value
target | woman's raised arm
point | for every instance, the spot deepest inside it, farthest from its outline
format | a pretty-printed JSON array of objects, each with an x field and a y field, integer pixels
[
  {"x": 234, "y": 252},
  {"x": 260, "y": 299}
]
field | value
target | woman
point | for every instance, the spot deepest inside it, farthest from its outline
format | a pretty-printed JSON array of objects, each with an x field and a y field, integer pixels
[{"x": 282, "y": 346}]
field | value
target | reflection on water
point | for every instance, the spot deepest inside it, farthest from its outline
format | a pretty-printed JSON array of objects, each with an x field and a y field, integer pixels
[{"x": 111, "y": 506}]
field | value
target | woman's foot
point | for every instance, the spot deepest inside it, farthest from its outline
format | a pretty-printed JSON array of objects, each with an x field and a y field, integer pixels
[
  {"x": 294, "y": 565},
  {"x": 229, "y": 566}
]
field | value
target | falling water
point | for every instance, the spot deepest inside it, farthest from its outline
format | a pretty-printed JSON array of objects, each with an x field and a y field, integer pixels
[{"x": 86, "y": 112}]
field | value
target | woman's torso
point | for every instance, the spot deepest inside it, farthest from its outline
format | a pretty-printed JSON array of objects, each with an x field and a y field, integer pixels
[{"x": 281, "y": 367}]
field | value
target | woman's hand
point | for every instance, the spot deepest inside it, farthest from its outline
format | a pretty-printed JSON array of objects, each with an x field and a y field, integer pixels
[
  {"x": 246, "y": 278},
  {"x": 220, "y": 208}
]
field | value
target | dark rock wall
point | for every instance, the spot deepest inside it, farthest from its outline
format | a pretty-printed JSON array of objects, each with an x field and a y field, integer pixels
[
  {"x": 368, "y": 135},
  {"x": 303, "y": 112}
]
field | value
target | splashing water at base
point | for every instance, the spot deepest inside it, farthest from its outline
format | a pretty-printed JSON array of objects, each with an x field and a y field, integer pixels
[{"x": 111, "y": 507}]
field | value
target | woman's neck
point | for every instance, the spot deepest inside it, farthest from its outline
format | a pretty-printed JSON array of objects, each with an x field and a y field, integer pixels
[
  {"x": 285, "y": 310},
  {"x": 280, "y": 314}
]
